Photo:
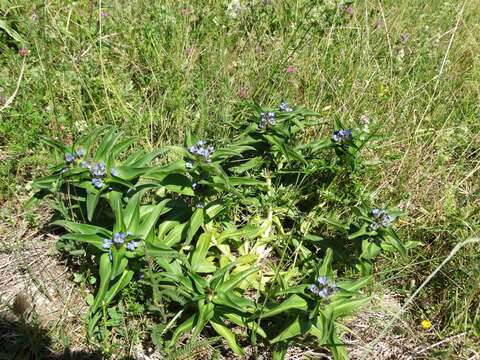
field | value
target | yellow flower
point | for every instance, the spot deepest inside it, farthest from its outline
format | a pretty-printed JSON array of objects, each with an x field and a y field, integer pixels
[{"x": 426, "y": 324}]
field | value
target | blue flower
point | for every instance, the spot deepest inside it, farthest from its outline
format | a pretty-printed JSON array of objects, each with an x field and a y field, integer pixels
[
  {"x": 266, "y": 119},
  {"x": 202, "y": 150},
  {"x": 380, "y": 219},
  {"x": 98, "y": 183},
  {"x": 119, "y": 238},
  {"x": 194, "y": 185},
  {"x": 314, "y": 289},
  {"x": 114, "y": 172},
  {"x": 284, "y": 107},
  {"x": 80, "y": 152},
  {"x": 323, "y": 288},
  {"x": 85, "y": 164},
  {"x": 322, "y": 280},
  {"x": 107, "y": 244},
  {"x": 69, "y": 157},
  {"x": 132, "y": 245},
  {"x": 99, "y": 169},
  {"x": 342, "y": 136}
]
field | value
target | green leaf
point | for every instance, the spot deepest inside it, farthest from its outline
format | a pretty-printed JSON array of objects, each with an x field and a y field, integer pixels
[
  {"x": 201, "y": 249},
  {"x": 159, "y": 173},
  {"x": 354, "y": 285},
  {"x": 326, "y": 268},
  {"x": 106, "y": 145},
  {"x": 294, "y": 302},
  {"x": 205, "y": 313},
  {"x": 233, "y": 301},
  {"x": 297, "y": 327},
  {"x": 105, "y": 272},
  {"x": 393, "y": 240},
  {"x": 235, "y": 280},
  {"x": 92, "y": 239},
  {"x": 82, "y": 228},
  {"x": 176, "y": 235},
  {"x": 343, "y": 307},
  {"x": 118, "y": 258},
  {"x": 119, "y": 285},
  {"x": 92, "y": 201},
  {"x": 12, "y": 33},
  {"x": 178, "y": 183},
  {"x": 181, "y": 329},
  {"x": 247, "y": 231},
  {"x": 241, "y": 321},
  {"x": 53, "y": 143},
  {"x": 250, "y": 164},
  {"x": 235, "y": 180},
  {"x": 148, "y": 221},
  {"x": 160, "y": 250},
  {"x": 115, "y": 200},
  {"x": 195, "y": 222},
  {"x": 227, "y": 334},
  {"x": 129, "y": 172}
]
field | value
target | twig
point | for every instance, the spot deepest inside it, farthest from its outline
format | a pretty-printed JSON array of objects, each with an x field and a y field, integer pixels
[
  {"x": 474, "y": 240},
  {"x": 441, "y": 342},
  {"x": 11, "y": 98}
]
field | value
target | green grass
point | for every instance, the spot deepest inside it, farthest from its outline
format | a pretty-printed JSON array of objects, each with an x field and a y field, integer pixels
[{"x": 156, "y": 68}]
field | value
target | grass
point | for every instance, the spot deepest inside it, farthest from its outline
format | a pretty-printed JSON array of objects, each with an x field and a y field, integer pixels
[{"x": 156, "y": 68}]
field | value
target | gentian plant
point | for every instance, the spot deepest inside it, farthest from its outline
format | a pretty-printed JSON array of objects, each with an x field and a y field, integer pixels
[{"x": 246, "y": 234}]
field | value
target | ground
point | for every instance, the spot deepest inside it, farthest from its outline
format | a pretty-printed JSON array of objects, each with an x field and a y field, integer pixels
[{"x": 154, "y": 68}]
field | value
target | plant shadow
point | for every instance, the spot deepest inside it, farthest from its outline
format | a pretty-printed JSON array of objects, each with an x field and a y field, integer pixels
[{"x": 22, "y": 338}]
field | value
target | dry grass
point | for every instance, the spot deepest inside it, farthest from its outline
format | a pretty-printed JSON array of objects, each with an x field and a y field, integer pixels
[{"x": 34, "y": 278}]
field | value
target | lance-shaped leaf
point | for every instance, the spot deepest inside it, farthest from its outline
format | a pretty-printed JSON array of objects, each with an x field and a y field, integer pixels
[
  {"x": 105, "y": 273},
  {"x": 148, "y": 221},
  {"x": 115, "y": 200},
  {"x": 82, "y": 228},
  {"x": 119, "y": 285},
  {"x": 342, "y": 307},
  {"x": 294, "y": 302},
  {"x": 181, "y": 329},
  {"x": 227, "y": 334},
  {"x": 298, "y": 326},
  {"x": 92, "y": 201},
  {"x": 91, "y": 239},
  {"x": 201, "y": 249},
  {"x": 234, "y": 280},
  {"x": 195, "y": 222},
  {"x": 242, "y": 321},
  {"x": 205, "y": 313},
  {"x": 106, "y": 145}
]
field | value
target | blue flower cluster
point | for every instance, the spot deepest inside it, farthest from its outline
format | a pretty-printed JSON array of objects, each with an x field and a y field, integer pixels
[
  {"x": 98, "y": 183},
  {"x": 98, "y": 171},
  {"x": 201, "y": 149},
  {"x": 266, "y": 119},
  {"x": 119, "y": 239},
  {"x": 380, "y": 219},
  {"x": 71, "y": 157},
  {"x": 284, "y": 107},
  {"x": 323, "y": 288},
  {"x": 132, "y": 245},
  {"x": 342, "y": 136}
]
